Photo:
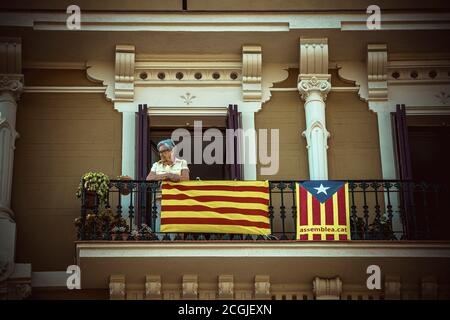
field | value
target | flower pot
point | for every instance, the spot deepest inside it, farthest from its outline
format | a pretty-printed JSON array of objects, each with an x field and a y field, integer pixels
[
  {"x": 113, "y": 236},
  {"x": 124, "y": 236},
  {"x": 90, "y": 199}
]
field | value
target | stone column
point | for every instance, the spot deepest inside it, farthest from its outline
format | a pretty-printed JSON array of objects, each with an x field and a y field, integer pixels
[
  {"x": 9, "y": 91},
  {"x": 314, "y": 85},
  {"x": 11, "y": 86}
]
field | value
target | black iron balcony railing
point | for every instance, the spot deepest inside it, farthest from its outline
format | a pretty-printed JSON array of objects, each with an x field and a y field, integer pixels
[{"x": 379, "y": 210}]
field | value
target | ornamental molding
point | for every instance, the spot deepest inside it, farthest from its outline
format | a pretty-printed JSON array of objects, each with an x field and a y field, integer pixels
[
  {"x": 190, "y": 286},
  {"x": 192, "y": 71},
  {"x": 124, "y": 73},
  {"x": 429, "y": 288},
  {"x": 377, "y": 72},
  {"x": 251, "y": 73},
  {"x": 117, "y": 287},
  {"x": 226, "y": 286},
  {"x": 414, "y": 72},
  {"x": 153, "y": 287},
  {"x": 327, "y": 289},
  {"x": 392, "y": 287},
  {"x": 262, "y": 287},
  {"x": 175, "y": 81},
  {"x": 225, "y": 22}
]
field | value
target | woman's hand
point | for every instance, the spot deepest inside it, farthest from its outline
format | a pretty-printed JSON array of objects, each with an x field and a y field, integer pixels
[
  {"x": 173, "y": 177},
  {"x": 152, "y": 176}
]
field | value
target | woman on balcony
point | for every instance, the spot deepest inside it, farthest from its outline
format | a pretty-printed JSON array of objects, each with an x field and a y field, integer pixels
[{"x": 169, "y": 168}]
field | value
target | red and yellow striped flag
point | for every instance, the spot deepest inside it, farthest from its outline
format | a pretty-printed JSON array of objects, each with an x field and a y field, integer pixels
[
  {"x": 323, "y": 210},
  {"x": 215, "y": 207}
]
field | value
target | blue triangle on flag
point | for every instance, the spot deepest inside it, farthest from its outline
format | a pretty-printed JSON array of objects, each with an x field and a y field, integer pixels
[{"x": 322, "y": 190}]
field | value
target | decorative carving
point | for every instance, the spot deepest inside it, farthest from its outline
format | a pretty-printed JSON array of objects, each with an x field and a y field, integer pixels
[
  {"x": 190, "y": 286},
  {"x": 429, "y": 288},
  {"x": 262, "y": 287},
  {"x": 124, "y": 73},
  {"x": 187, "y": 98},
  {"x": 327, "y": 289},
  {"x": 10, "y": 55},
  {"x": 251, "y": 73},
  {"x": 226, "y": 286},
  {"x": 4, "y": 124},
  {"x": 314, "y": 84},
  {"x": 377, "y": 72},
  {"x": 313, "y": 56},
  {"x": 153, "y": 287},
  {"x": 12, "y": 83},
  {"x": 149, "y": 74},
  {"x": 117, "y": 287},
  {"x": 392, "y": 287},
  {"x": 443, "y": 97},
  {"x": 22, "y": 290},
  {"x": 316, "y": 129}
]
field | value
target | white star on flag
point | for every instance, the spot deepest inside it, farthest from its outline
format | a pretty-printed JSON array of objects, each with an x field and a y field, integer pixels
[{"x": 322, "y": 189}]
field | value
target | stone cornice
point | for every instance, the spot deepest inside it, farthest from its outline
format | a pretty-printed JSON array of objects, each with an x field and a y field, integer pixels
[{"x": 226, "y": 21}]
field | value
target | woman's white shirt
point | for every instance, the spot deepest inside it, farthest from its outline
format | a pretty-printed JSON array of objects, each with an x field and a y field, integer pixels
[{"x": 179, "y": 164}]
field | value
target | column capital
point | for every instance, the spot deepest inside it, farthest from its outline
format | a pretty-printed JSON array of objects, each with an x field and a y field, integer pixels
[
  {"x": 314, "y": 84},
  {"x": 12, "y": 83}
]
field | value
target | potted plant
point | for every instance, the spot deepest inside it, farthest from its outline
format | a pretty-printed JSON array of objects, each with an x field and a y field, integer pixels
[
  {"x": 119, "y": 227},
  {"x": 135, "y": 234},
  {"x": 123, "y": 231},
  {"x": 357, "y": 228},
  {"x": 381, "y": 229},
  {"x": 114, "y": 232},
  {"x": 146, "y": 232},
  {"x": 96, "y": 184}
]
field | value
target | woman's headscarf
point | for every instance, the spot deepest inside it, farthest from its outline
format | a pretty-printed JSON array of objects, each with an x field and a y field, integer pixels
[{"x": 167, "y": 142}]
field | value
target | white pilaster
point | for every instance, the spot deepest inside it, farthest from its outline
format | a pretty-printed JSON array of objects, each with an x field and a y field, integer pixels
[
  {"x": 314, "y": 85},
  {"x": 248, "y": 143},
  {"x": 379, "y": 103},
  {"x": 128, "y": 141},
  {"x": 251, "y": 97}
]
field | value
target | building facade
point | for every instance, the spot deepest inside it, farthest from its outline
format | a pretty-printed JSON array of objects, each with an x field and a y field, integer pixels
[{"x": 356, "y": 92}]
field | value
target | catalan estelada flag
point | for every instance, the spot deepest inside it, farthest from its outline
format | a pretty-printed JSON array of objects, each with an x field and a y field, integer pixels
[
  {"x": 215, "y": 207},
  {"x": 323, "y": 210}
]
